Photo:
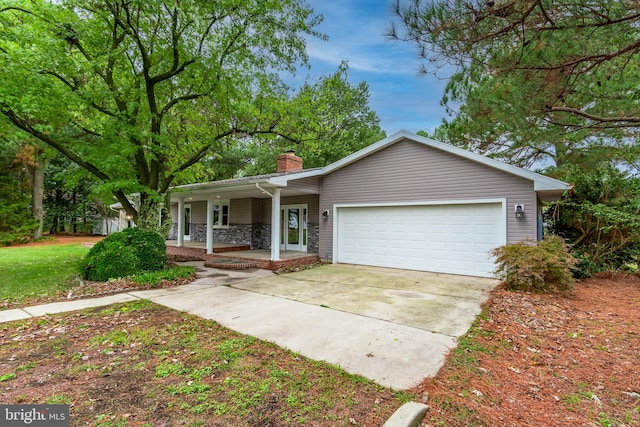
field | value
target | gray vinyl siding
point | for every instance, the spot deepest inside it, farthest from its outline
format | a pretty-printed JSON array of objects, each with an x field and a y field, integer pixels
[
  {"x": 240, "y": 211},
  {"x": 408, "y": 171},
  {"x": 311, "y": 200},
  {"x": 256, "y": 211},
  {"x": 308, "y": 185},
  {"x": 198, "y": 212}
]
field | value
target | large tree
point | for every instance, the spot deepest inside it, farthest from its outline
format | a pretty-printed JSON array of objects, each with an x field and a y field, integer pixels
[
  {"x": 332, "y": 119},
  {"x": 16, "y": 221},
  {"x": 136, "y": 92},
  {"x": 534, "y": 80}
]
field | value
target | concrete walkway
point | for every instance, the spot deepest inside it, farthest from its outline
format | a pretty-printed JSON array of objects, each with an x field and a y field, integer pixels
[{"x": 389, "y": 353}]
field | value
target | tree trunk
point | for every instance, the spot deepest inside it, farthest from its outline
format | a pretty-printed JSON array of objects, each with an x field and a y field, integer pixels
[{"x": 37, "y": 190}]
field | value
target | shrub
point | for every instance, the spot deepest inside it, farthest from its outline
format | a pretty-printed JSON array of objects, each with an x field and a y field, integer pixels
[
  {"x": 599, "y": 218},
  {"x": 124, "y": 254},
  {"x": 539, "y": 267}
]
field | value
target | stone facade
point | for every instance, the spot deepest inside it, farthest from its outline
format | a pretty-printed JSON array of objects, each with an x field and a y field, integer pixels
[
  {"x": 198, "y": 232},
  {"x": 261, "y": 236},
  {"x": 236, "y": 234},
  {"x": 256, "y": 235},
  {"x": 313, "y": 238}
]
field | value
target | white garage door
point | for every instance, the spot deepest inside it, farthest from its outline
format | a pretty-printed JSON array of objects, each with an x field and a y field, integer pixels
[{"x": 441, "y": 238}]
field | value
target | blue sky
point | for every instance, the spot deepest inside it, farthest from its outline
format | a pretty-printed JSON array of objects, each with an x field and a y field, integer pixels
[{"x": 355, "y": 29}]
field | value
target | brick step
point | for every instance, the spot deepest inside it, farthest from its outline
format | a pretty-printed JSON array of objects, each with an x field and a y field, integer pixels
[
  {"x": 230, "y": 264},
  {"x": 232, "y": 249}
]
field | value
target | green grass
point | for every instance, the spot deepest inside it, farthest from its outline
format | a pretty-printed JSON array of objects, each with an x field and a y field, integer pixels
[
  {"x": 155, "y": 278},
  {"x": 39, "y": 270},
  {"x": 157, "y": 364},
  {"x": 53, "y": 269}
]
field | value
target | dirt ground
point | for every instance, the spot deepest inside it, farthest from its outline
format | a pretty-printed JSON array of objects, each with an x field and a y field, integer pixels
[
  {"x": 530, "y": 360},
  {"x": 546, "y": 360},
  {"x": 62, "y": 239}
]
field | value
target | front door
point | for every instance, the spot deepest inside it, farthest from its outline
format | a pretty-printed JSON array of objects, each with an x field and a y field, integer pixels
[
  {"x": 294, "y": 228},
  {"x": 187, "y": 222}
]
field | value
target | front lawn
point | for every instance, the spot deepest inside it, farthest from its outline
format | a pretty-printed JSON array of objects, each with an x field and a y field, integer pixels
[
  {"x": 146, "y": 365},
  {"x": 51, "y": 272},
  {"x": 29, "y": 271}
]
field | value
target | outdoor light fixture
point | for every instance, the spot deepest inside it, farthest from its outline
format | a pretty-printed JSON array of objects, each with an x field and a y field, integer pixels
[
  {"x": 325, "y": 214},
  {"x": 128, "y": 217},
  {"x": 519, "y": 210}
]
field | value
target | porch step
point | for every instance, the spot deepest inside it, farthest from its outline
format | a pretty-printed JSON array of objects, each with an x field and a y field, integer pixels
[
  {"x": 232, "y": 248},
  {"x": 230, "y": 264}
]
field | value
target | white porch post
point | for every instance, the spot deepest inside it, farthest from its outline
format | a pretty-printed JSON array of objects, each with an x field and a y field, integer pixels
[
  {"x": 180, "y": 222},
  {"x": 210, "y": 225},
  {"x": 275, "y": 225}
]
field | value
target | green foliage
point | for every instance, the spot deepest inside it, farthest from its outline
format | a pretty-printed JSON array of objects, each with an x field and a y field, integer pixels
[
  {"x": 330, "y": 120},
  {"x": 68, "y": 201},
  {"x": 39, "y": 270},
  {"x": 543, "y": 81},
  {"x": 125, "y": 254},
  {"x": 536, "y": 267},
  {"x": 137, "y": 93},
  {"x": 16, "y": 221},
  {"x": 599, "y": 218},
  {"x": 156, "y": 277}
]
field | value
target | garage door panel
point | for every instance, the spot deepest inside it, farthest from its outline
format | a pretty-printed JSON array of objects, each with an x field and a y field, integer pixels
[{"x": 442, "y": 238}]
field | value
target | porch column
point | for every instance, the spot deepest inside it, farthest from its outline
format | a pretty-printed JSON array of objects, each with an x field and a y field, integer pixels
[
  {"x": 180, "y": 222},
  {"x": 275, "y": 225},
  {"x": 210, "y": 224}
]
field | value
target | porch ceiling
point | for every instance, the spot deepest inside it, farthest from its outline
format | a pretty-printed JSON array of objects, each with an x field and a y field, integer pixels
[{"x": 243, "y": 191}]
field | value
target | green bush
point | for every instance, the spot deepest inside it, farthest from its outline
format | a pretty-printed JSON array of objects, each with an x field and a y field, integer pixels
[
  {"x": 599, "y": 218},
  {"x": 536, "y": 267},
  {"x": 124, "y": 254}
]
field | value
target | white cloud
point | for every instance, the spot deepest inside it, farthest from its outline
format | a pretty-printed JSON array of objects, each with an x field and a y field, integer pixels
[{"x": 356, "y": 35}]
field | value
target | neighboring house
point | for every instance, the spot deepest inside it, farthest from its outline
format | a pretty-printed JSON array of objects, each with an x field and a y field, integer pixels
[{"x": 405, "y": 202}]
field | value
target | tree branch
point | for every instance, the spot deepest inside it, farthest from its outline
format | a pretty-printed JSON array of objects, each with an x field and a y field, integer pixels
[
  {"x": 174, "y": 101},
  {"x": 53, "y": 143}
]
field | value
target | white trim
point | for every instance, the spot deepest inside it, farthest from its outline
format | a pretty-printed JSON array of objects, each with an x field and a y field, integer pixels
[
  {"x": 180, "y": 213},
  {"x": 422, "y": 203},
  {"x": 502, "y": 201},
  {"x": 302, "y": 226},
  {"x": 275, "y": 225},
  {"x": 553, "y": 187},
  {"x": 221, "y": 203},
  {"x": 541, "y": 182},
  {"x": 187, "y": 230},
  {"x": 209, "y": 222}
]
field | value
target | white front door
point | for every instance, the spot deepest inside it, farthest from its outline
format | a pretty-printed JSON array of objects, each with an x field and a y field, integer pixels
[
  {"x": 293, "y": 220},
  {"x": 187, "y": 222}
]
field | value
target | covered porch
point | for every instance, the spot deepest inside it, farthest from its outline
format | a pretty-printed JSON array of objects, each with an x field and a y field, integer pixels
[{"x": 229, "y": 256}]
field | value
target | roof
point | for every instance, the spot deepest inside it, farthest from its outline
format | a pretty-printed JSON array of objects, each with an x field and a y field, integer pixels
[{"x": 547, "y": 188}]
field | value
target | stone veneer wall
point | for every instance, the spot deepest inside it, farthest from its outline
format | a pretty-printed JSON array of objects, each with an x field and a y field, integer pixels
[
  {"x": 261, "y": 236},
  {"x": 256, "y": 235}
]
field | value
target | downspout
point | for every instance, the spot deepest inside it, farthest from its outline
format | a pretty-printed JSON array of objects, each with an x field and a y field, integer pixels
[{"x": 263, "y": 190}]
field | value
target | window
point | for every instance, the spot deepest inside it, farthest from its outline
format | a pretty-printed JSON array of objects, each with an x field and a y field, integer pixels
[{"x": 221, "y": 215}]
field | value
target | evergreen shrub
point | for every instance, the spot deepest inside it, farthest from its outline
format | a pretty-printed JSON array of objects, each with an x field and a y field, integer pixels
[
  {"x": 543, "y": 266},
  {"x": 124, "y": 254}
]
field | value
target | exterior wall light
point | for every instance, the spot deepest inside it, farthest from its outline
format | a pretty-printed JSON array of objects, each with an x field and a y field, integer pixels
[
  {"x": 519, "y": 211},
  {"x": 325, "y": 214}
]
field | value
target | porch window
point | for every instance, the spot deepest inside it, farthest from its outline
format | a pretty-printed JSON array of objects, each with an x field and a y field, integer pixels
[{"x": 221, "y": 215}]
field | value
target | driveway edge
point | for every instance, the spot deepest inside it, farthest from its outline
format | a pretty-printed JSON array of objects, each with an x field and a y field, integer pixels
[{"x": 408, "y": 415}]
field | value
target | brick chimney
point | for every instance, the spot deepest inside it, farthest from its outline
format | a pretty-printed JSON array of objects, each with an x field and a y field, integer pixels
[{"x": 289, "y": 162}]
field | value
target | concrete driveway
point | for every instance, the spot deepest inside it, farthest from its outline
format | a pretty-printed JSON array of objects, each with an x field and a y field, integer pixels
[
  {"x": 394, "y": 327},
  {"x": 441, "y": 303}
]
